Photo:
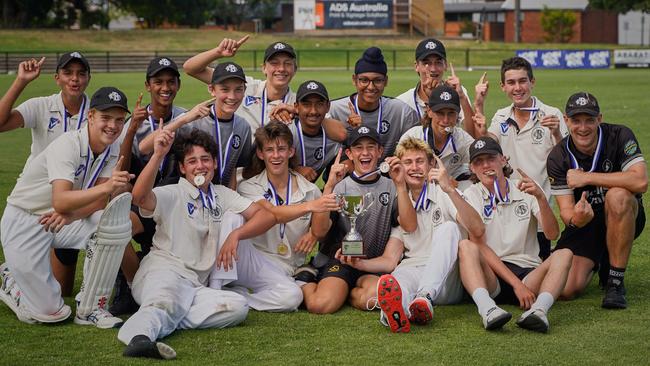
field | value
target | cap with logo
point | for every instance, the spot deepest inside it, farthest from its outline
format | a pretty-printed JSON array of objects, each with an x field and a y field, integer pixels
[
  {"x": 444, "y": 96},
  {"x": 582, "y": 102},
  {"x": 360, "y": 132},
  {"x": 484, "y": 145},
  {"x": 108, "y": 97},
  {"x": 227, "y": 70},
  {"x": 311, "y": 87},
  {"x": 430, "y": 46},
  {"x": 159, "y": 64},
  {"x": 278, "y": 47},
  {"x": 66, "y": 58}
]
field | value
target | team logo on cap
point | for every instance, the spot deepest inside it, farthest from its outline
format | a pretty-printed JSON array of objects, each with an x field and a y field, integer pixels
[
  {"x": 312, "y": 86},
  {"x": 479, "y": 144},
  {"x": 75, "y": 54},
  {"x": 164, "y": 62},
  {"x": 430, "y": 45},
  {"x": 582, "y": 101},
  {"x": 445, "y": 96},
  {"x": 115, "y": 96},
  {"x": 364, "y": 129},
  {"x": 231, "y": 68},
  {"x": 279, "y": 46}
]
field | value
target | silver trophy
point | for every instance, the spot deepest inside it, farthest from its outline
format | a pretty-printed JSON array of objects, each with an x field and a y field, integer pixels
[{"x": 354, "y": 207}]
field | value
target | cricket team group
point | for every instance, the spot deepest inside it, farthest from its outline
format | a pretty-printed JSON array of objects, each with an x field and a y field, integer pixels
[{"x": 222, "y": 200}]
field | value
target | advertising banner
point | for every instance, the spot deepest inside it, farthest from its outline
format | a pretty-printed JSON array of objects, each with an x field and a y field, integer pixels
[
  {"x": 334, "y": 14},
  {"x": 567, "y": 59},
  {"x": 632, "y": 58}
]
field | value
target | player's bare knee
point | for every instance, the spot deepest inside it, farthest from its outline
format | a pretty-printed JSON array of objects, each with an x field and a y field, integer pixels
[
  {"x": 466, "y": 250},
  {"x": 562, "y": 257},
  {"x": 619, "y": 202}
]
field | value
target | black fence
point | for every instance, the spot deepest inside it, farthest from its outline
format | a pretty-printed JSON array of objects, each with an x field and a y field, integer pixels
[{"x": 308, "y": 59}]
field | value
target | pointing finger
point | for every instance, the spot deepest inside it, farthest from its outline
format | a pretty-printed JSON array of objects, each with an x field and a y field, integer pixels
[
  {"x": 451, "y": 69},
  {"x": 338, "y": 156},
  {"x": 521, "y": 172},
  {"x": 352, "y": 109},
  {"x": 242, "y": 40},
  {"x": 439, "y": 163},
  {"x": 139, "y": 101},
  {"x": 482, "y": 79},
  {"x": 41, "y": 62},
  {"x": 207, "y": 102},
  {"x": 118, "y": 166}
]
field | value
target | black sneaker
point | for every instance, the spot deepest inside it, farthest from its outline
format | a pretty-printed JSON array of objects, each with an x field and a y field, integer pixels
[
  {"x": 306, "y": 273},
  {"x": 123, "y": 302},
  {"x": 615, "y": 297},
  {"x": 142, "y": 346}
]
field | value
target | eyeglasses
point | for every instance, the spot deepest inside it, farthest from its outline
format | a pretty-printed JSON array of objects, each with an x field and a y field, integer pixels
[{"x": 375, "y": 82}]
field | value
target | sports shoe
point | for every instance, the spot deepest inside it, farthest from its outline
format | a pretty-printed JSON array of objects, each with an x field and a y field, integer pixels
[
  {"x": 389, "y": 296},
  {"x": 10, "y": 295},
  {"x": 123, "y": 302},
  {"x": 615, "y": 297},
  {"x": 421, "y": 310},
  {"x": 496, "y": 318},
  {"x": 535, "y": 320},
  {"x": 100, "y": 318},
  {"x": 142, "y": 346},
  {"x": 305, "y": 273}
]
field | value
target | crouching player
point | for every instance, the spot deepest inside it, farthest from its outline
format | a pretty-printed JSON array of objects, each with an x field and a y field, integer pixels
[
  {"x": 428, "y": 273},
  {"x": 191, "y": 218},
  {"x": 509, "y": 265},
  {"x": 57, "y": 203}
]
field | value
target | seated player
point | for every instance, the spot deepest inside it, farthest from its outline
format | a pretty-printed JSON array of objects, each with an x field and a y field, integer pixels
[
  {"x": 193, "y": 217},
  {"x": 338, "y": 281},
  {"x": 448, "y": 142},
  {"x": 506, "y": 261},
  {"x": 57, "y": 203},
  {"x": 302, "y": 215},
  {"x": 428, "y": 271},
  {"x": 598, "y": 175}
]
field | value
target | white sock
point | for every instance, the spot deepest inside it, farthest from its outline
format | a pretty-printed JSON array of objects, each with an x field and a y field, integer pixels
[
  {"x": 483, "y": 301},
  {"x": 544, "y": 301}
]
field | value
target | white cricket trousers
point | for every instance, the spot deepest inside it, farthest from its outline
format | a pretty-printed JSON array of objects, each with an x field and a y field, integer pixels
[
  {"x": 169, "y": 302},
  {"x": 260, "y": 280},
  {"x": 26, "y": 249},
  {"x": 440, "y": 275}
]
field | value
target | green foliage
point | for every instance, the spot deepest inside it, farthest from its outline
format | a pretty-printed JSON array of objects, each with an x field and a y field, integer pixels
[
  {"x": 25, "y": 13},
  {"x": 621, "y": 6},
  {"x": 557, "y": 25},
  {"x": 468, "y": 27}
]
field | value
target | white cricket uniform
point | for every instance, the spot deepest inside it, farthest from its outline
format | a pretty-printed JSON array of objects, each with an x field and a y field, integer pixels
[
  {"x": 170, "y": 283},
  {"x": 413, "y": 100},
  {"x": 528, "y": 148},
  {"x": 255, "y": 109},
  {"x": 48, "y": 119},
  {"x": 26, "y": 245},
  {"x": 430, "y": 262},
  {"x": 510, "y": 224},
  {"x": 454, "y": 154}
]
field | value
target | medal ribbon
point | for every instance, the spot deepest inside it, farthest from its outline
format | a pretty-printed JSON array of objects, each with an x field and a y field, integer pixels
[
  {"x": 98, "y": 167},
  {"x": 80, "y": 119},
  {"x": 381, "y": 111},
  {"x": 152, "y": 128},
  {"x": 303, "y": 158},
  {"x": 263, "y": 117},
  {"x": 422, "y": 203},
  {"x": 222, "y": 156},
  {"x": 207, "y": 199},
  {"x": 498, "y": 192},
  {"x": 594, "y": 162},
  {"x": 450, "y": 139},
  {"x": 415, "y": 101},
  {"x": 276, "y": 198},
  {"x": 533, "y": 110}
]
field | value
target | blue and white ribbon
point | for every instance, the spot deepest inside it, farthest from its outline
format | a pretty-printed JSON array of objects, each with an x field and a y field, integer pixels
[
  {"x": 94, "y": 174},
  {"x": 380, "y": 117},
  {"x": 80, "y": 119},
  {"x": 276, "y": 199},
  {"x": 301, "y": 142},
  {"x": 222, "y": 156},
  {"x": 264, "y": 102},
  {"x": 594, "y": 163}
]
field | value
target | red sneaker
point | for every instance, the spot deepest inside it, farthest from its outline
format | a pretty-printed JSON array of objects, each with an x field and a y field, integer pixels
[
  {"x": 389, "y": 297},
  {"x": 421, "y": 311}
]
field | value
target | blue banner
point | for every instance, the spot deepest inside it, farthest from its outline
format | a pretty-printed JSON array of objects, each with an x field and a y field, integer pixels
[
  {"x": 377, "y": 14},
  {"x": 567, "y": 59}
]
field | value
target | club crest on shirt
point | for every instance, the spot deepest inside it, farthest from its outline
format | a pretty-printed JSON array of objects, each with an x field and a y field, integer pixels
[
  {"x": 504, "y": 127},
  {"x": 437, "y": 216},
  {"x": 236, "y": 142},
  {"x": 318, "y": 153},
  {"x": 521, "y": 209},
  {"x": 537, "y": 135},
  {"x": 385, "y": 126},
  {"x": 384, "y": 198},
  {"x": 607, "y": 166},
  {"x": 250, "y": 99},
  {"x": 487, "y": 210},
  {"x": 215, "y": 213},
  {"x": 455, "y": 159},
  {"x": 190, "y": 208},
  {"x": 53, "y": 122}
]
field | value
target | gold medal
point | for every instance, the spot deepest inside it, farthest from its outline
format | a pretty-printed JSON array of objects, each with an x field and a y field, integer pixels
[{"x": 283, "y": 249}]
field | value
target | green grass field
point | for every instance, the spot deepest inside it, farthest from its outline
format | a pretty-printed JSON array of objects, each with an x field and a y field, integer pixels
[{"x": 581, "y": 332}]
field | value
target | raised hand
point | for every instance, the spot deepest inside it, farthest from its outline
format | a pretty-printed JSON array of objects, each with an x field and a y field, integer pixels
[
  {"x": 337, "y": 170},
  {"x": 454, "y": 81},
  {"x": 283, "y": 112},
  {"x": 354, "y": 119},
  {"x": 228, "y": 47},
  {"x": 582, "y": 212},
  {"x": 528, "y": 185},
  {"x": 119, "y": 181},
  {"x": 551, "y": 121},
  {"x": 201, "y": 110},
  {"x": 397, "y": 172},
  {"x": 30, "y": 69},
  {"x": 440, "y": 175},
  {"x": 481, "y": 90},
  {"x": 139, "y": 113},
  {"x": 162, "y": 140}
]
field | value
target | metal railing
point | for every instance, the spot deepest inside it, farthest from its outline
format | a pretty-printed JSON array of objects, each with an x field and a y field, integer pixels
[{"x": 308, "y": 59}]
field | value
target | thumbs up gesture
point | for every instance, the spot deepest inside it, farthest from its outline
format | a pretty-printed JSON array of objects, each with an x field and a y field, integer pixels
[{"x": 582, "y": 212}]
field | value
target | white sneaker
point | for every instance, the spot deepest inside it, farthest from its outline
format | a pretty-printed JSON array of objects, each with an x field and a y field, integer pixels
[
  {"x": 100, "y": 318},
  {"x": 535, "y": 320},
  {"x": 496, "y": 318},
  {"x": 10, "y": 295}
]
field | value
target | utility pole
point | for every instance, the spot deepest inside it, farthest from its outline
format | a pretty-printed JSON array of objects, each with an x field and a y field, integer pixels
[{"x": 517, "y": 24}]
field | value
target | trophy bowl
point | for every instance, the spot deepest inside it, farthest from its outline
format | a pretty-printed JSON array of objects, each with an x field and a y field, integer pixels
[{"x": 353, "y": 207}]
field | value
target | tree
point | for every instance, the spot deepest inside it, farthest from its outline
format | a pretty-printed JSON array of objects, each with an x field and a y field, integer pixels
[
  {"x": 621, "y": 6},
  {"x": 557, "y": 25}
]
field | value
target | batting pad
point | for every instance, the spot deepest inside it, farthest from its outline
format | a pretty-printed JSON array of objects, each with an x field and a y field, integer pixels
[{"x": 104, "y": 255}]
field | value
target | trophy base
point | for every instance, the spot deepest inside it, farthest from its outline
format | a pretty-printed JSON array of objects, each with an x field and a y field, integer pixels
[{"x": 352, "y": 249}]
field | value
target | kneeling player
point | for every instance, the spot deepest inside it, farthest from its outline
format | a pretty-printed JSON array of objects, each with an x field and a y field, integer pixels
[
  {"x": 57, "y": 203},
  {"x": 509, "y": 265},
  {"x": 192, "y": 218}
]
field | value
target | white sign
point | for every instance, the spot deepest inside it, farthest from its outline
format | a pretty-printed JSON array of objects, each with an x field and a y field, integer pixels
[
  {"x": 632, "y": 58},
  {"x": 304, "y": 14}
]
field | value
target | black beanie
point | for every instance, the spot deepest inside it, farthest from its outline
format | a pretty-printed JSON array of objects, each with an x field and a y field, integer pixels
[{"x": 371, "y": 61}]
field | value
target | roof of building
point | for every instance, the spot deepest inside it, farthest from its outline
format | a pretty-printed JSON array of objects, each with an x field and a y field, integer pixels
[
  {"x": 551, "y": 4},
  {"x": 474, "y": 7}
]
